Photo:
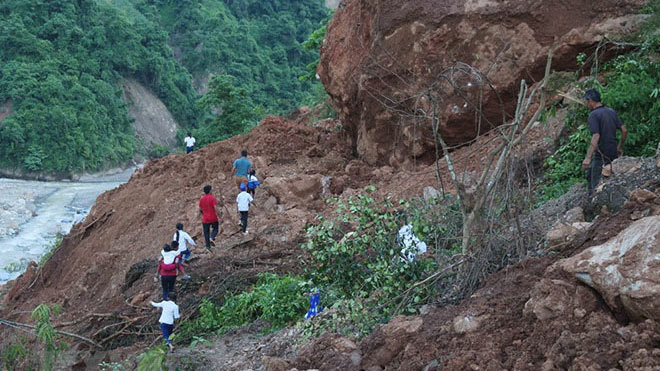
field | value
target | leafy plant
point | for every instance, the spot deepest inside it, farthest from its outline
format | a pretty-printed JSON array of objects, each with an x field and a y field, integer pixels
[
  {"x": 14, "y": 354},
  {"x": 153, "y": 359},
  {"x": 277, "y": 300},
  {"x": 50, "y": 249},
  {"x": 46, "y": 335}
]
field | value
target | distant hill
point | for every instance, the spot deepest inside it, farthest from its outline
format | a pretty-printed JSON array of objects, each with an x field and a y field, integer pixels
[{"x": 64, "y": 67}]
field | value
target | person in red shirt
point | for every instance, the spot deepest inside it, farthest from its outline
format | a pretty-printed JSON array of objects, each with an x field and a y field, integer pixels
[
  {"x": 167, "y": 269},
  {"x": 208, "y": 208}
]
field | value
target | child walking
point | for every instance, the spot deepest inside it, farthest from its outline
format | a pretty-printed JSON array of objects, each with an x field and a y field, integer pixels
[
  {"x": 167, "y": 269},
  {"x": 183, "y": 240},
  {"x": 170, "y": 312},
  {"x": 253, "y": 182},
  {"x": 243, "y": 201}
]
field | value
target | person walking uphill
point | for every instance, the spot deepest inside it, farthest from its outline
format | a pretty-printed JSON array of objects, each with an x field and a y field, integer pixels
[
  {"x": 170, "y": 312},
  {"x": 208, "y": 208},
  {"x": 240, "y": 168},
  {"x": 243, "y": 201},
  {"x": 603, "y": 124}
]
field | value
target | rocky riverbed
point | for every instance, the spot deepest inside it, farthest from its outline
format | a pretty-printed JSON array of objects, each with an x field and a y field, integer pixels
[{"x": 33, "y": 213}]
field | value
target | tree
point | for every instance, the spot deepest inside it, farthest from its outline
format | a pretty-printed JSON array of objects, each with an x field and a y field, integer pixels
[{"x": 231, "y": 108}]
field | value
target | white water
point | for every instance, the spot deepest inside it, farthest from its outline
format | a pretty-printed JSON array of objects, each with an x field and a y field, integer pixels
[{"x": 59, "y": 206}]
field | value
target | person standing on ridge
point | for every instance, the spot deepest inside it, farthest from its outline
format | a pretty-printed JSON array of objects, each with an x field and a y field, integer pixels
[
  {"x": 240, "y": 168},
  {"x": 243, "y": 201},
  {"x": 208, "y": 208},
  {"x": 190, "y": 142},
  {"x": 603, "y": 124},
  {"x": 170, "y": 312}
]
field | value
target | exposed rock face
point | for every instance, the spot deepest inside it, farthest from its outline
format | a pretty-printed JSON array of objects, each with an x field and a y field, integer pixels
[
  {"x": 5, "y": 110},
  {"x": 624, "y": 269},
  {"x": 380, "y": 52},
  {"x": 153, "y": 121}
]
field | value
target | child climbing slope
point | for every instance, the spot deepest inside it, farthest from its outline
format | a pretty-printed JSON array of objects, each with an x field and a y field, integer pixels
[
  {"x": 243, "y": 201},
  {"x": 170, "y": 312}
]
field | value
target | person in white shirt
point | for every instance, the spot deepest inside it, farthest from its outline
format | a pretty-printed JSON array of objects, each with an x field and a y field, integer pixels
[
  {"x": 170, "y": 312},
  {"x": 183, "y": 239},
  {"x": 190, "y": 142},
  {"x": 243, "y": 201}
]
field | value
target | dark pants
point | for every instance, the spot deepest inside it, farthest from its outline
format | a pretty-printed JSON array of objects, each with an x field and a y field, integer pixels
[
  {"x": 251, "y": 191},
  {"x": 167, "y": 331},
  {"x": 244, "y": 216},
  {"x": 168, "y": 285},
  {"x": 208, "y": 237},
  {"x": 595, "y": 171},
  {"x": 190, "y": 149},
  {"x": 185, "y": 254}
]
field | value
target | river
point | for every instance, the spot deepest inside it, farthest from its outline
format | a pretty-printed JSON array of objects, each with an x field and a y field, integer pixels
[{"x": 33, "y": 213}]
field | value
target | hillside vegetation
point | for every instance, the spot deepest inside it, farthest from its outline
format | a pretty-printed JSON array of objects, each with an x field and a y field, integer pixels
[{"x": 63, "y": 63}]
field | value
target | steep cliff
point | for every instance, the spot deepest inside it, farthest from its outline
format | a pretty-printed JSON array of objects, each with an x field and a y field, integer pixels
[{"x": 379, "y": 55}]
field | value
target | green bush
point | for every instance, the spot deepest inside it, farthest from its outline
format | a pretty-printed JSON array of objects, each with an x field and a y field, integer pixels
[
  {"x": 276, "y": 300},
  {"x": 631, "y": 89}
]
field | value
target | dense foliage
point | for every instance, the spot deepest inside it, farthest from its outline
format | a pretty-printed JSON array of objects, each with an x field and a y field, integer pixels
[
  {"x": 631, "y": 89},
  {"x": 276, "y": 300},
  {"x": 258, "y": 42},
  {"x": 63, "y": 64},
  {"x": 62, "y": 68}
]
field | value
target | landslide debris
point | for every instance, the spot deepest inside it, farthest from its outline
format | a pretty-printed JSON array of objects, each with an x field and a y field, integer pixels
[{"x": 380, "y": 55}]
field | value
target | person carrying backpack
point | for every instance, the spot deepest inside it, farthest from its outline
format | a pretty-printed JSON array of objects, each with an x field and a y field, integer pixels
[
  {"x": 243, "y": 201},
  {"x": 167, "y": 269},
  {"x": 253, "y": 182},
  {"x": 170, "y": 312}
]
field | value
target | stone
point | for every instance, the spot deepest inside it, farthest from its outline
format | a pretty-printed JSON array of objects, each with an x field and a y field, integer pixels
[
  {"x": 275, "y": 364},
  {"x": 562, "y": 234},
  {"x": 621, "y": 166},
  {"x": 431, "y": 193},
  {"x": 549, "y": 299},
  {"x": 642, "y": 196},
  {"x": 624, "y": 270},
  {"x": 388, "y": 50},
  {"x": 573, "y": 215},
  {"x": 467, "y": 323}
]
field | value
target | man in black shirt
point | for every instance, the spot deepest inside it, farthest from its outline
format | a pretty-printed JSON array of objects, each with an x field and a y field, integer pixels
[{"x": 603, "y": 124}]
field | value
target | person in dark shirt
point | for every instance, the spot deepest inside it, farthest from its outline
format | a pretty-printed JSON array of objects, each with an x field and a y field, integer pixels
[{"x": 603, "y": 149}]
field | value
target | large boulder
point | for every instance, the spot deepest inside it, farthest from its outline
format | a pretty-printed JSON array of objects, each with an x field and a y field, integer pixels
[
  {"x": 379, "y": 55},
  {"x": 625, "y": 270}
]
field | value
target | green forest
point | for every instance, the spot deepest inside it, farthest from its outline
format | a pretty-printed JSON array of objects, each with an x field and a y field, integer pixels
[{"x": 63, "y": 63}]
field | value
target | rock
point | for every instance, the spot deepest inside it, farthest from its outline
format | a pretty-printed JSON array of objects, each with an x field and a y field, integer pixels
[
  {"x": 276, "y": 364},
  {"x": 549, "y": 299},
  {"x": 622, "y": 165},
  {"x": 431, "y": 193},
  {"x": 624, "y": 270},
  {"x": 378, "y": 50},
  {"x": 432, "y": 366},
  {"x": 573, "y": 215},
  {"x": 468, "y": 323},
  {"x": 562, "y": 234},
  {"x": 642, "y": 196},
  {"x": 139, "y": 298}
]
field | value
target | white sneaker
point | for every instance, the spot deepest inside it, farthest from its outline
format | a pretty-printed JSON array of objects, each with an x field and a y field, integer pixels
[
  {"x": 246, "y": 232},
  {"x": 171, "y": 347}
]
